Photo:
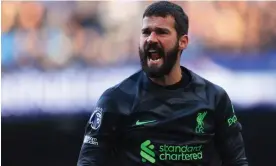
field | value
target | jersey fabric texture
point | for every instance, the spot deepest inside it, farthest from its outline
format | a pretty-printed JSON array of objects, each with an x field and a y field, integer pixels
[{"x": 140, "y": 123}]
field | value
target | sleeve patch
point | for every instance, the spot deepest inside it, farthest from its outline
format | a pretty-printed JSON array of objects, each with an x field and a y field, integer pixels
[
  {"x": 96, "y": 118},
  {"x": 90, "y": 140}
]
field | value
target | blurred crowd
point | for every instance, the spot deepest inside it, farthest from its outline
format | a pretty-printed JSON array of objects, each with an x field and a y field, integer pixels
[{"x": 54, "y": 35}]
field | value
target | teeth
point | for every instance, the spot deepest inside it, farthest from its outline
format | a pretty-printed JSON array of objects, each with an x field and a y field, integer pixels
[
  {"x": 155, "y": 60},
  {"x": 152, "y": 51}
]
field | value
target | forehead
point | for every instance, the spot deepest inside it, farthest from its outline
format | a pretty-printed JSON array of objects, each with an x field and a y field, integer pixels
[{"x": 160, "y": 22}]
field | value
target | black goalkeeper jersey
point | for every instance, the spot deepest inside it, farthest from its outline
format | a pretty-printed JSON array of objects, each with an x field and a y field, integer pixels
[{"x": 140, "y": 123}]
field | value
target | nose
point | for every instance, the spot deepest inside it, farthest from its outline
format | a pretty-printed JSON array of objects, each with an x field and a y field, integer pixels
[{"x": 152, "y": 38}]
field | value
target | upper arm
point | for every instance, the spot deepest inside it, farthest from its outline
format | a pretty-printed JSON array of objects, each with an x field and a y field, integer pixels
[
  {"x": 226, "y": 118},
  {"x": 100, "y": 133},
  {"x": 228, "y": 137}
]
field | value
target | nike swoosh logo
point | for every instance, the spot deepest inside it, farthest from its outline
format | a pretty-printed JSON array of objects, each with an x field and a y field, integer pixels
[{"x": 144, "y": 122}]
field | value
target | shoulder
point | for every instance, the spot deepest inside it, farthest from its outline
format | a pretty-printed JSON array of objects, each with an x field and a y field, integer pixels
[
  {"x": 124, "y": 87},
  {"x": 128, "y": 85},
  {"x": 212, "y": 90},
  {"x": 121, "y": 92}
]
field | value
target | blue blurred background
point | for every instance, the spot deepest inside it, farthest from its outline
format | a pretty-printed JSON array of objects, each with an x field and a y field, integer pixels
[{"x": 58, "y": 57}]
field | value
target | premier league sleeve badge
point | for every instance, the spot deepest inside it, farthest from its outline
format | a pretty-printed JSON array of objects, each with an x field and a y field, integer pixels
[{"x": 96, "y": 118}]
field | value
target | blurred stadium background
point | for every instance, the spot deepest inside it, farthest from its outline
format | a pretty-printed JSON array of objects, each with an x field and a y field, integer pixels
[{"x": 58, "y": 57}]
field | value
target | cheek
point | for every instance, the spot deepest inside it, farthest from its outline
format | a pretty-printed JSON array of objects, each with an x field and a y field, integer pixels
[
  {"x": 169, "y": 44},
  {"x": 165, "y": 45},
  {"x": 141, "y": 45},
  {"x": 142, "y": 42}
]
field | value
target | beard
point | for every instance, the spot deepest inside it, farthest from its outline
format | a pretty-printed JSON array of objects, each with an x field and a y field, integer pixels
[{"x": 169, "y": 60}]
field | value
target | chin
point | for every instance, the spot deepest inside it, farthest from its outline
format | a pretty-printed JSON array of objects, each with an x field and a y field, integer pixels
[
  {"x": 154, "y": 72},
  {"x": 155, "y": 75}
]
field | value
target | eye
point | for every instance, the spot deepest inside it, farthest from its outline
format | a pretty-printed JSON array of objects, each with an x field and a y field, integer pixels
[
  {"x": 146, "y": 32},
  {"x": 162, "y": 31}
]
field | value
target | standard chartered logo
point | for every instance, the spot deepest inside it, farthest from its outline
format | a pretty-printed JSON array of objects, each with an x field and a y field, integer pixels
[
  {"x": 180, "y": 152},
  {"x": 170, "y": 152},
  {"x": 233, "y": 119},
  {"x": 147, "y": 152}
]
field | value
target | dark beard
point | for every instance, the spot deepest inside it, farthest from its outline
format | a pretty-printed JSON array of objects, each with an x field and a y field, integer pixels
[{"x": 169, "y": 60}]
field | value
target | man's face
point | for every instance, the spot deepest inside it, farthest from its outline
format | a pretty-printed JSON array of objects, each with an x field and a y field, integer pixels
[{"x": 159, "y": 46}]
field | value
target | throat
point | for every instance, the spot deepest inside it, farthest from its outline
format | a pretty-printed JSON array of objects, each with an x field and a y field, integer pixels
[{"x": 172, "y": 78}]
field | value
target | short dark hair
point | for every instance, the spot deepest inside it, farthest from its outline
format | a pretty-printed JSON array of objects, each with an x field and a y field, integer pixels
[{"x": 165, "y": 8}]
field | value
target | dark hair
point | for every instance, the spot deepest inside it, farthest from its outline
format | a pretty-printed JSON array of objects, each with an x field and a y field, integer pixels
[{"x": 165, "y": 8}]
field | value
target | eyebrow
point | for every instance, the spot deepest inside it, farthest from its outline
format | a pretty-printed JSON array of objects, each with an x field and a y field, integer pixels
[{"x": 155, "y": 29}]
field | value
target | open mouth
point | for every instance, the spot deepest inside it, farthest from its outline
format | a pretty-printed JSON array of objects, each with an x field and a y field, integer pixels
[{"x": 154, "y": 57}]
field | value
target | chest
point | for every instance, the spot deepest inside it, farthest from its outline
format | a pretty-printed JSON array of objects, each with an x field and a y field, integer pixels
[{"x": 171, "y": 119}]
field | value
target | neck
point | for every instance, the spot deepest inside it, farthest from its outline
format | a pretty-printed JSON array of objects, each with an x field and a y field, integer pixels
[{"x": 172, "y": 78}]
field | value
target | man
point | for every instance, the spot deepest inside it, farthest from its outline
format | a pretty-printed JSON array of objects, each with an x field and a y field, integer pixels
[{"x": 164, "y": 114}]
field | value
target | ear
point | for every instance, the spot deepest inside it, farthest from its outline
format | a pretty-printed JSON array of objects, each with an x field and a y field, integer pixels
[{"x": 183, "y": 42}]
